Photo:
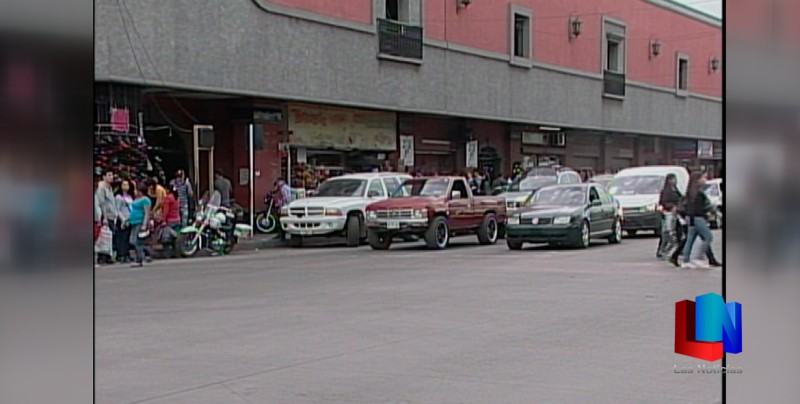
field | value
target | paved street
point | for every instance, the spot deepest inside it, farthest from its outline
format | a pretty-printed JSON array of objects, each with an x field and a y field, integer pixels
[{"x": 333, "y": 325}]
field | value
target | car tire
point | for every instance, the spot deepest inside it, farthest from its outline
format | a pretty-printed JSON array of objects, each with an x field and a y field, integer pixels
[
  {"x": 616, "y": 232},
  {"x": 379, "y": 241},
  {"x": 438, "y": 234},
  {"x": 514, "y": 244},
  {"x": 296, "y": 241},
  {"x": 632, "y": 233},
  {"x": 353, "y": 231},
  {"x": 584, "y": 238},
  {"x": 487, "y": 233}
]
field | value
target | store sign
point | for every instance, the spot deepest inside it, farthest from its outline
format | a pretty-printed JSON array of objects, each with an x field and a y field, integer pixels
[
  {"x": 407, "y": 151},
  {"x": 705, "y": 149},
  {"x": 472, "y": 154},
  {"x": 341, "y": 128},
  {"x": 684, "y": 149}
]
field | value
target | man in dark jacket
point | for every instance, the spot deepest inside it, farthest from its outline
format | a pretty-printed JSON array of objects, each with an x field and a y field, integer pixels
[{"x": 670, "y": 197}]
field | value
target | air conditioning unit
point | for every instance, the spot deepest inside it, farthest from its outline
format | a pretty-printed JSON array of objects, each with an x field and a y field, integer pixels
[{"x": 558, "y": 139}]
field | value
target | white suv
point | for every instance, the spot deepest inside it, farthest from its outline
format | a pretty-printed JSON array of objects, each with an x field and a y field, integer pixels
[{"x": 338, "y": 206}]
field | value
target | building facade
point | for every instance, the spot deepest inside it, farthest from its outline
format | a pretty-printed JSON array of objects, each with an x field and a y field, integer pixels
[{"x": 351, "y": 84}]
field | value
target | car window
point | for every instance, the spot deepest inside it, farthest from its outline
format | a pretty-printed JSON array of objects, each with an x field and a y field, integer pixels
[
  {"x": 460, "y": 186},
  {"x": 376, "y": 189},
  {"x": 593, "y": 194},
  {"x": 604, "y": 196},
  {"x": 392, "y": 184}
]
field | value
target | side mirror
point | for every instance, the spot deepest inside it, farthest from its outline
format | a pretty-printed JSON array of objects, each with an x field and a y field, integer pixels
[{"x": 455, "y": 195}]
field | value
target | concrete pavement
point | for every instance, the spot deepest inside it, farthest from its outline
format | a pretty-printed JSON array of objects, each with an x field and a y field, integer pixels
[{"x": 470, "y": 324}]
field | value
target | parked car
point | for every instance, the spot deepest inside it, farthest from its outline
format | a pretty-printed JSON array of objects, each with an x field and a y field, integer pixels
[
  {"x": 638, "y": 190},
  {"x": 566, "y": 215},
  {"x": 434, "y": 209},
  {"x": 602, "y": 179},
  {"x": 715, "y": 191},
  {"x": 535, "y": 179},
  {"x": 337, "y": 208}
]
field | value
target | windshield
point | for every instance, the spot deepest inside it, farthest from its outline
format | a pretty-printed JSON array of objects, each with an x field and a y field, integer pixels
[
  {"x": 560, "y": 196},
  {"x": 532, "y": 183},
  {"x": 636, "y": 185},
  {"x": 711, "y": 189},
  {"x": 426, "y": 187},
  {"x": 342, "y": 187}
]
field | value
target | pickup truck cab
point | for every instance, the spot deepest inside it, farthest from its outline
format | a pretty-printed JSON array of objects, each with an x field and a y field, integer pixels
[
  {"x": 337, "y": 208},
  {"x": 434, "y": 209}
]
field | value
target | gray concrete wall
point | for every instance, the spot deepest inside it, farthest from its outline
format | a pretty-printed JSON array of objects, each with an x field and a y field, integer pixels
[{"x": 234, "y": 46}]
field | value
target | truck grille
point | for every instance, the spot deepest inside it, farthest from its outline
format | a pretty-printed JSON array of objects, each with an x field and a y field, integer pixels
[
  {"x": 303, "y": 212},
  {"x": 395, "y": 214}
]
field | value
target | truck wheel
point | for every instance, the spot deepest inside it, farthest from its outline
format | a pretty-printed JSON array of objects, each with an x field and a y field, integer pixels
[
  {"x": 487, "y": 233},
  {"x": 296, "y": 241},
  {"x": 514, "y": 244},
  {"x": 353, "y": 231},
  {"x": 438, "y": 235},
  {"x": 379, "y": 241}
]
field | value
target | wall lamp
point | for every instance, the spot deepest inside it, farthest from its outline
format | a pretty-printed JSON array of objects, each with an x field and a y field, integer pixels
[
  {"x": 713, "y": 64},
  {"x": 462, "y": 4},
  {"x": 575, "y": 24},
  {"x": 655, "y": 48}
]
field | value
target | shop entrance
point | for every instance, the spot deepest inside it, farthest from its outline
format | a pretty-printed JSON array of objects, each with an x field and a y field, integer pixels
[{"x": 203, "y": 151}]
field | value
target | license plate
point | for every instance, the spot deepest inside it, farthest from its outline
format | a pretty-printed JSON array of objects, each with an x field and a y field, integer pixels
[
  {"x": 513, "y": 220},
  {"x": 393, "y": 224}
]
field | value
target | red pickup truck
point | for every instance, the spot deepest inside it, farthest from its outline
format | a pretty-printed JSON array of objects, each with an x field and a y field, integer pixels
[{"x": 434, "y": 209}]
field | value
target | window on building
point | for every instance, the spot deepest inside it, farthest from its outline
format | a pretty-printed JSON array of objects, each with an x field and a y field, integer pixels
[
  {"x": 398, "y": 10},
  {"x": 615, "y": 47},
  {"x": 682, "y": 74},
  {"x": 522, "y": 34}
]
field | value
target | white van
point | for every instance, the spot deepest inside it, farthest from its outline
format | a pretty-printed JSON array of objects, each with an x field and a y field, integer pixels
[{"x": 638, "y": 190}]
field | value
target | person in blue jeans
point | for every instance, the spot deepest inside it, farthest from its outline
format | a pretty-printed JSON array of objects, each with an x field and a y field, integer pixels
[
  {"x": 698, "y": 207},
  {"x": 139, "y": 221}
]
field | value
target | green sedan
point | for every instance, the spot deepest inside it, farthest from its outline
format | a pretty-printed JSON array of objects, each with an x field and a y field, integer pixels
[{"x": 566, "y": 215}]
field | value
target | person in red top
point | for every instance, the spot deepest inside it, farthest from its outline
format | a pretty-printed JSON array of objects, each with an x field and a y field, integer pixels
[{"x": 171, "y": 210}]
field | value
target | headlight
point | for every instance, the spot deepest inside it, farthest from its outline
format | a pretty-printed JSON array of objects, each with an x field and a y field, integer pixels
[
  {"x": 333, "y": 212},
  {"x": 562, "y": 220},
  {"x": 420, "y": 214},
  {"x": 284, "y": 211},
  {"x": 372, "y": 215},
  {"x": 514, "y": 219},
  {"x": 651, "y": 208}
]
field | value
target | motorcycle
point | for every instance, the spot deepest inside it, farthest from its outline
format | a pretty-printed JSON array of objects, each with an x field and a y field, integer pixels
[
  {"x": 267, "y": 221},
  {"x": 214, "y": 230}
]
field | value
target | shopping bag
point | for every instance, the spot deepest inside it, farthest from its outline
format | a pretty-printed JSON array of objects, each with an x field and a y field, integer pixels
[{"x": 104, "y": 244}]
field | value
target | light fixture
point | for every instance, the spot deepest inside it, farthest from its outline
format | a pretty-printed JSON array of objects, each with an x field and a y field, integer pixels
[
  {"x": 462, "y": 4},
  {"x": 550, "y": 128},
  {"x": 713, "y": 64},
  {"x": 655, "y": 48},
  {"x": 575, "y": 27}
]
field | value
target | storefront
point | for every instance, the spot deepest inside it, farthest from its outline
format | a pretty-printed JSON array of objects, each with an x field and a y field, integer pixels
[
  {"x": 709, "y": 155},
  {"x": 328, "y": 141},
  {"x": 535, "y": 147}
]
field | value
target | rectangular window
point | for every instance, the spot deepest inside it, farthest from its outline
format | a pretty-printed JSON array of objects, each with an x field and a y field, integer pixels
[
  {"x": 521, "y": 36},
  {"x": 398, "y": 10},
  {"x": 682, "y": 74},
  {"x": 614, "y": 58}
]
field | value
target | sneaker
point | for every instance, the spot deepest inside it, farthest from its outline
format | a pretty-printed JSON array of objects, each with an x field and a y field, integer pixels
[
  {"x": 701, "y": 264},
  {"x": 674, "y": 261},
  {"x": 715, "y": 264},
  {"x": 137, "y": 265},
  {"x": 688, "y": 265}
]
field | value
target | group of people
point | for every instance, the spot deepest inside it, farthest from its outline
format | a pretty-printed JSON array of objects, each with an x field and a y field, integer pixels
[
  {"x": 131, "y": 210},
  {"x": 686, "y": 219}
]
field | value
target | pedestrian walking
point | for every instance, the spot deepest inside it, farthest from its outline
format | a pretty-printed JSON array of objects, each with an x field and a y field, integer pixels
[
  {"x": 140, "y": 223},
  {"x": 224, "y": 187},
  {"x": 698, "y": 207},
  {"x": 98, "y": 224},
  {"x": 122, "y": 233},
  {"x": 670, "y": 197},
  {"x": 108, "y": 206},
  {"x": 183, "y": 188}
]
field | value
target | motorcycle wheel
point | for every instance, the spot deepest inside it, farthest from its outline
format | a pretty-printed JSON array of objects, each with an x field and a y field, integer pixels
[
  {"x": 187, "y": 246},
  {"x": 266, "y": 223}
]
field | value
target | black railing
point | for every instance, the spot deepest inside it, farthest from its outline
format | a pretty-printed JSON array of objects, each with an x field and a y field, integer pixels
[
  {"x": 614, "y": 83},
  {"x": 401, "y": 40}
]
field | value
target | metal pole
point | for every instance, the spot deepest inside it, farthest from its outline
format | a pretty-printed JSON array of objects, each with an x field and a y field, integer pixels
[
  {"x": 251, "y": 129},
  {"x": 288, "y": 178}
]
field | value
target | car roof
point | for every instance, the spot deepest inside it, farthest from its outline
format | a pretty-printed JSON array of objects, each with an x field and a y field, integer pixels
[
  {"x": 366, "y": 176},
  {"x": 649, "y": 170},
  {"x": 580, "y": 184},
  {"x": 602, "y": 176}
]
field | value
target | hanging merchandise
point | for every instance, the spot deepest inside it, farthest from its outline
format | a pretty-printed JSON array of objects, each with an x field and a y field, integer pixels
[
  {"x": 407, "y": 150},
  {"x": 120, "y": 120},
  {"x": 472, "y": 154}
]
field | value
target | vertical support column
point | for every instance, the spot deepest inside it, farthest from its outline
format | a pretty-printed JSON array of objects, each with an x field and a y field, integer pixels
[{"x": 251, "y": 180}]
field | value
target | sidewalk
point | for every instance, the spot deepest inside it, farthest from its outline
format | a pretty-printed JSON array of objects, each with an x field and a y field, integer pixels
[{"x": 259, "y": 242}]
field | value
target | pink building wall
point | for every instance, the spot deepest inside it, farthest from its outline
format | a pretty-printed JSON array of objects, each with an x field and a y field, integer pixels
[{"x": 484, "y": 25}]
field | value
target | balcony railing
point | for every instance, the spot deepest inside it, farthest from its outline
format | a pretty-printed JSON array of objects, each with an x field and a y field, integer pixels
[
  {"x": 400, "y": 40},
  {"x": 614, "y": 83}
]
